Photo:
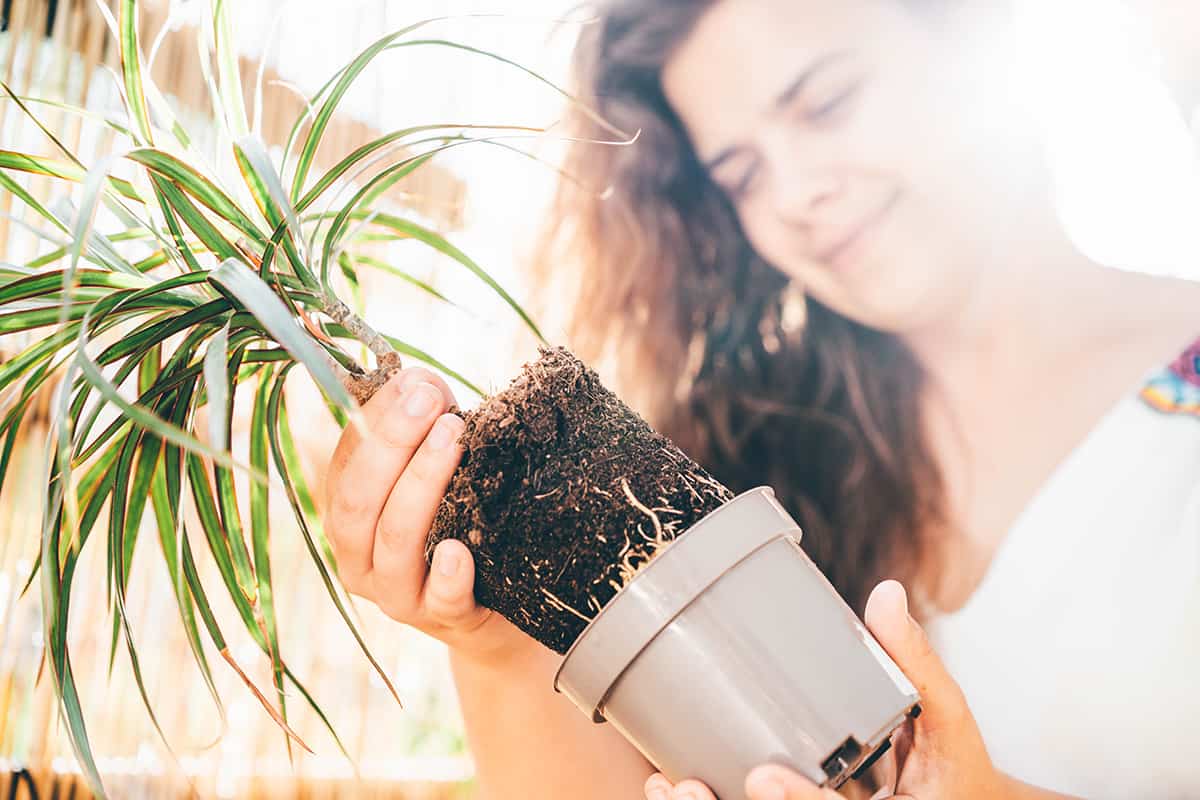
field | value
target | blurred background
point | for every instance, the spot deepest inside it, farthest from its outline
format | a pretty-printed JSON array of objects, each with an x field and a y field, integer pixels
[{"x": 1088, "y": 67}]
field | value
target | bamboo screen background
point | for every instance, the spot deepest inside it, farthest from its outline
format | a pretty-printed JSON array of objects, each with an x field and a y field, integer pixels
[{"x": 64, "y": 51}]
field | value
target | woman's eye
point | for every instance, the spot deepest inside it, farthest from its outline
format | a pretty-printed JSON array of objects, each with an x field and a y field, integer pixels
[
  {"x": 742, "y": 186},
  {"x": 826, "y": 108}
]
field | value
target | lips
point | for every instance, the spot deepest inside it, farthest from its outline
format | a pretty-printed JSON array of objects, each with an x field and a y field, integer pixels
[{"x": 835, "y": 251}]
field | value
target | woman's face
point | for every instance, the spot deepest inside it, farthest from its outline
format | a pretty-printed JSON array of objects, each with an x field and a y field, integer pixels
[{"x": 868, "y": 146}]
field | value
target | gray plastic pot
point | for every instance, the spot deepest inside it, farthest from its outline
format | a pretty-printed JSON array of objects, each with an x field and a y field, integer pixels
[{"x": 731, "y": 649}]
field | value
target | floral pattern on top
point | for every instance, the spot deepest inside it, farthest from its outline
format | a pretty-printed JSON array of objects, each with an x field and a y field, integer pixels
[{"x": 1176, "y": 389}]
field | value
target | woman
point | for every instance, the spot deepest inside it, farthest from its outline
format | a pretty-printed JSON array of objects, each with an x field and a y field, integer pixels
[{"x": 832, "y": 264}]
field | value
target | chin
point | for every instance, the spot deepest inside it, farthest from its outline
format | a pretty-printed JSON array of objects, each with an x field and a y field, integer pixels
[{"x": 895, "y": 306}]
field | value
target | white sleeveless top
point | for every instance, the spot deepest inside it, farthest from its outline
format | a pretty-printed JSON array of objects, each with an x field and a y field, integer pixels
[{"x": 1079, "y": 653}]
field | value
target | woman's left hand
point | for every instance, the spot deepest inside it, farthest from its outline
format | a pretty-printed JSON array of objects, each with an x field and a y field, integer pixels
[{"x": 938, "y": 755}]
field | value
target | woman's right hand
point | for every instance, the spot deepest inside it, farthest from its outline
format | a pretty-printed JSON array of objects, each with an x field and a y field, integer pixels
[{"x": 381, "y": 497}]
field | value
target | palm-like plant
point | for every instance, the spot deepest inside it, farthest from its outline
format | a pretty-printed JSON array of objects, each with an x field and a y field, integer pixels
[{"x": 236, "y": 291}]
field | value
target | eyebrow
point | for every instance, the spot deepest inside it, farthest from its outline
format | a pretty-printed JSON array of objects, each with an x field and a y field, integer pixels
[{"x": 784, "y": 98}]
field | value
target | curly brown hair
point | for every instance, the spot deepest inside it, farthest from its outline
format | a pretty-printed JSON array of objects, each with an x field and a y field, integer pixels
[{"x": 714, "y": 345}]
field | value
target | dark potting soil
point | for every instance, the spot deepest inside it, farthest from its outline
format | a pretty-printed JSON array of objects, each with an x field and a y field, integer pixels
[{"x": 562, "y": 495}]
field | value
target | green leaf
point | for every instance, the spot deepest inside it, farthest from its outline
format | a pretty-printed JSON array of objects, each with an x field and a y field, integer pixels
[
  {"x": 9, "y": 440},
  {"x": 45, "y": 131},
  {"x": 124, "y": 519},
  {"x": 147, "y": 419},
  {"x": 165, "y": 294},
  {"x": 40, "y": 353},
  {"x": 337, "y": 229},
  {"x": 255, "y": 154},
  {"x": 172, "y": 197},
  {"x": 266, "y": 306},
  {"x": 170, "y": 529},
  {"x": 44, "y": 283},
  {"x": 337, "y": 85},
  {"x": 56, "y": 596},
  {"x": 159, "y": 330},
  {"x": 216, "y": 379},
  {"x": 166, "y": 492},
  {"x": 198, "y": 186},
  {"x": 131, "y": 70},
  {"x": 83, "y": 225},
  {"x": 585, "y": 109},
  {"x": 383, "y": 266},
  {"x": 260, "y": 533},
  {"x": 113, "y": 202},
  {"x": 53, "y": 168},
  {"x": 29, "y": 200},
  {"x": 219, "y": 542},
  {"x": 287, "y": 464},
  {"x": 174, "y": 375},
  {"x": 231, "y": 518},
  {"x": 202, "y": 494},
  {"x": 439, "y": 243},
  {"x": 362, "y": 153},
  {"x": 267, "y": 190},
  {"x": 406, "y": 349},
  {"x": 78, "y": 111},
  {"x": 18, "y": 321},
  {"x": 162, "y": 189},
  {"x": 228, "y": 77}
]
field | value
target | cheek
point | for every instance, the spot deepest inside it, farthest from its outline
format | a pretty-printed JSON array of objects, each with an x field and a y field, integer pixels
[
  {"x": 782, "y": 246},
  {"x": 913, "y": 271},
  {"x": 784, "y": 249}
]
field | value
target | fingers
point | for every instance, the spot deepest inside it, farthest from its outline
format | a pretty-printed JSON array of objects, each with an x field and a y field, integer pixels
[
  {"x": 659, "y": 788},
  {"x": 398, "y": 557},
  {"x": 449, "y": 596},
  {"x": 942, "y": 701},
  {"x": 691, "y": 790},
  {"x": 774, "y": 782},
  {"x": 362, "y": 472},
  {"x": 768, "y": 782}
]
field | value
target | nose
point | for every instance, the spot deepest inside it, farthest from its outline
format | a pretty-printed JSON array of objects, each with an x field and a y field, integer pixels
[{"x": 801, "y": 196}]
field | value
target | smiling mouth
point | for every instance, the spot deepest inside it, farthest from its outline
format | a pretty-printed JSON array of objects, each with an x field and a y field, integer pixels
[{"x": 832, "y": 254}]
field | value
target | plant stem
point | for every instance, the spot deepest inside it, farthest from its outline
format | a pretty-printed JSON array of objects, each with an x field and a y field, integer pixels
[{"x": 362, "y": 385}]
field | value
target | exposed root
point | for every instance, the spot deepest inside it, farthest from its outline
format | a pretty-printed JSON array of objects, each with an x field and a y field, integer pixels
[
  {"x": 633, "y": 501},
  {"x": 719, "y": 490},
  {"x": 561, "y": 606}
]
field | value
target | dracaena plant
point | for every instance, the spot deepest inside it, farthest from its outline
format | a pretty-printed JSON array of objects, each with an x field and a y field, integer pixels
[{"x": 234, "y": 294}]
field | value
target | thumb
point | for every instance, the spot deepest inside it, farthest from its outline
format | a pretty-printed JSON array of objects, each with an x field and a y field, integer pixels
[
  {"x": 449, "y": 598},
  {"x": 942, "y": 701}
]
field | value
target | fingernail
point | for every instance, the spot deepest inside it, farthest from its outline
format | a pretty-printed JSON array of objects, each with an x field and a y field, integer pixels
[
  {"x": 447, "y": 562},
  {"x": 656, "y": 793},
  {"x": 445, "y": 431},
  {"x": 685, "y": 794},
  {"x": 764, "y": 787},
  {"x": 420, "y": 400}
]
